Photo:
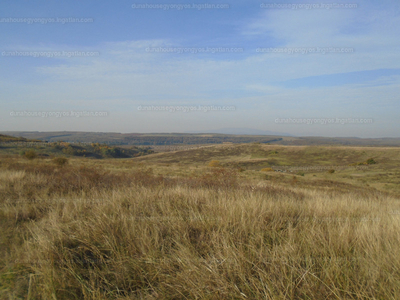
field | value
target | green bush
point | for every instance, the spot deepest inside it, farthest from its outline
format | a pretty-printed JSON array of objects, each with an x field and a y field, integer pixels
[
  {"x": 331, "y": 171},
  {"x": 369, "y": 161},
  {"x": 69, "y": 150},
  {"x": 30, "y": 154},
  {"x": 57, "y": 147},
  {"x": 60, "y": 161}
]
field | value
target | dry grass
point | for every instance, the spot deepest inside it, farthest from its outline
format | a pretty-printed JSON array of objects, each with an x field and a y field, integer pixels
[{"x": 84, "y": 232}]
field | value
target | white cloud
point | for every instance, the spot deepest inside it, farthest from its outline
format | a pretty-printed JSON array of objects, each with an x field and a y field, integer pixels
[{"x": 124, "y": 75}]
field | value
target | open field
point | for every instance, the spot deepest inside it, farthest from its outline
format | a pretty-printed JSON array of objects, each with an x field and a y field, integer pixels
[
  {"x": 222, "y": 150},
  {"x": 313, "y": 162},
  {"x": 259, "y": 222}
]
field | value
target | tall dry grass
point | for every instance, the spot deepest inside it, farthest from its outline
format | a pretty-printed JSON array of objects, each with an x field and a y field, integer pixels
[{"x": 84, "y": 233}]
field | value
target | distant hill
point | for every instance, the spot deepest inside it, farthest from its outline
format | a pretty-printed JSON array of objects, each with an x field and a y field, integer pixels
[
  {"x": 19, "y": 145},
  {"x": 152, "y": 139},
  {"x": 15, "y": 138},
  {"x": 8, "y": 138},
  {"x": 345, "y": 141},
  {"x": 243, "y": 131},
  {"x": 149, "y": 139},
  {"x": 74, "y": 136}
]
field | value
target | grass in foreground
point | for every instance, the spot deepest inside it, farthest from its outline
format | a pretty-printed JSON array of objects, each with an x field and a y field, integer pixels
[{"x": 84, "y": 232}]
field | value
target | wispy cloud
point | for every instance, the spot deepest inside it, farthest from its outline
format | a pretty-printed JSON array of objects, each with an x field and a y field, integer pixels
[{"x": 261, "y": 84}]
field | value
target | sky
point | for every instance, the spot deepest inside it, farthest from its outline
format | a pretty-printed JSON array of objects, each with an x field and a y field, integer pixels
[{"x": 306, "y": 68}]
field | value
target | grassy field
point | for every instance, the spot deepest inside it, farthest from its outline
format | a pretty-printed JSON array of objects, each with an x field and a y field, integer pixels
[{"x": 259, "y": 222}]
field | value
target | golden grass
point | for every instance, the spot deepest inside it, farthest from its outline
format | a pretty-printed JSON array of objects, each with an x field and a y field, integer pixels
[{"x": 85, "y": 232}]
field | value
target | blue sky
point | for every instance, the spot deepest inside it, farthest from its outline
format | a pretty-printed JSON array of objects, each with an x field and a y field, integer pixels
[{"x": 265, "y": 63}]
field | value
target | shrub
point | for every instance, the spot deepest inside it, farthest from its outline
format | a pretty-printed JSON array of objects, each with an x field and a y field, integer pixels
[
  {"x": 30, "y": 154},
  {"x": 331, "y": 171},
  {"x": 369, "y": 161},
  {"x": 266, "y": 177},
  {"x": 57, "y": 147},
  {"x": 267, "y": 170},
  {"x": 60, "y": 161},
  {"x": 69, "y": 150},
  {"x": 214, "y": 164},
  {"x": 300, "y": 173},
  {"x": 218, "y": 178}
]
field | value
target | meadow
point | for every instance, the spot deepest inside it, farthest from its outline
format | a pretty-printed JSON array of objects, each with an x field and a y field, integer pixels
[{"x": 231, "y": 221}]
